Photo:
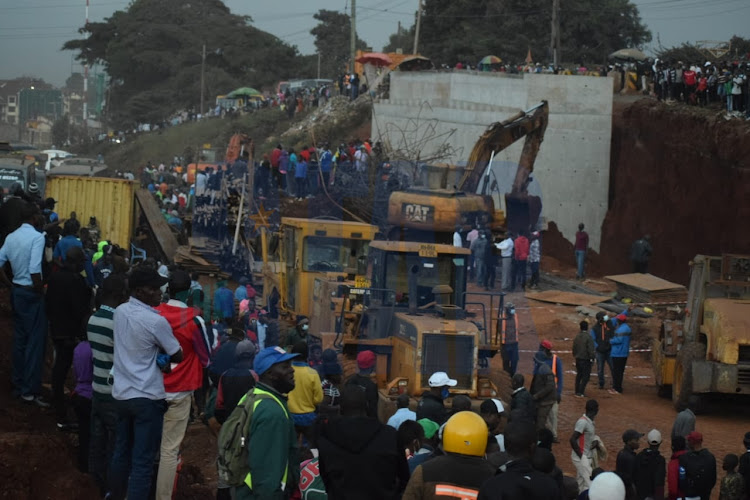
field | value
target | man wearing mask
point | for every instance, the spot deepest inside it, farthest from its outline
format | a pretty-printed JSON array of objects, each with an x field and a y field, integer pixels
[
  {"x": 432, "y": 405},
  {"x": 509, "y": 339},
  {"x": 298, "y": 333},
  {"x": 602, "y": 335}
]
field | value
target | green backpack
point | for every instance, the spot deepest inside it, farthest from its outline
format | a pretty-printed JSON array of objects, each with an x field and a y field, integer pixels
[{"x": 234, "y": 438}]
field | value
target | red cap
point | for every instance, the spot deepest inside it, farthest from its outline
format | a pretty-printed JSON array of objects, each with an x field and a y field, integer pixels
[
  {"x": 695, "y": 437},
  {"x": 366, "y": 360},
  {"x": 621, "y": 317},
  {"x": 547, "y": 344}
]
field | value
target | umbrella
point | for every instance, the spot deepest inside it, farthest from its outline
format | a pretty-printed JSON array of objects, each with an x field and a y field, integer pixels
[
  {"x": 374, "y": 58},
  {"x": 416, "y": 61},
  {"x": 628, "y": 55},
  {"x": 488, "y": 60},
  {"x": 243, "y": 92}
]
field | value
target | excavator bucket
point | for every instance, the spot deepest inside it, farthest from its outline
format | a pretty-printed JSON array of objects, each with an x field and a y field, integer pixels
[{"x": 522, "y": 212}]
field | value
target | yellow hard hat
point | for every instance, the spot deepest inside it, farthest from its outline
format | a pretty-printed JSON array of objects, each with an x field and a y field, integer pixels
[{"x": 465, "y": 433}]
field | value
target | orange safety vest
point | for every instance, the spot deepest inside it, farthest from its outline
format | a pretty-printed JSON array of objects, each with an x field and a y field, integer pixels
[
  {"x": 554, "y": 368},
  {"x": 503, "y": 324}
]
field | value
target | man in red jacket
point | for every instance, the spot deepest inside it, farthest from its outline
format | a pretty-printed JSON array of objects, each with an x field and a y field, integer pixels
[
  {"x": 679, "y": 448},
  {"x": 520, "y": 256},
  {"x": 183, "y": 379}
]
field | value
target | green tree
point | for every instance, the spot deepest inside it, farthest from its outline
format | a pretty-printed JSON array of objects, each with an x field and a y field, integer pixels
[
  {"x": 332, "y": 42},
  {"x": 152, "y": 52},
  {"x": 467, "y": 30},
  {"x": 402, "y": 39}
]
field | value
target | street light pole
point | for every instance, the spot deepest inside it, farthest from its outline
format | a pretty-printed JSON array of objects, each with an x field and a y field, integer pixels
[
  {"x": 353, "y": 41},
  {"x": 416, "y": 31},
  {"x": 203, "y": 71}
]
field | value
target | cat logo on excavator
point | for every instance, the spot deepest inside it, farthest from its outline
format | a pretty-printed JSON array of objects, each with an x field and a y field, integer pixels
[{"x": 418, "y": 213}]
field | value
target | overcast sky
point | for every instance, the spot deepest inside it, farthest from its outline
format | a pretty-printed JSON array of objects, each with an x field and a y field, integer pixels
[{"x": 32, "y": 31}]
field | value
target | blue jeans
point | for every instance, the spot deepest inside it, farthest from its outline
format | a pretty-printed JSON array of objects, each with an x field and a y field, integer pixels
[
  {"x": 602, "y": 358},
  {"x": 510, "y": 358},
  {"x": 29, "y": 335},
  {"x": 138, "y": 440},
  {"x": 580, "y": 259}
]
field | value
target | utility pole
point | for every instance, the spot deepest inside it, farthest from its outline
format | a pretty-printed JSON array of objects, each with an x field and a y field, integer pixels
[
  {"x": 555, "y": 36},
  {"x": 353, "y": 41},
  {"x": 416, "y": 32},
  {"x": 86, "y": 80},
  {"x": 203, "y": 72},
  {"x": 318, "y": 65}
]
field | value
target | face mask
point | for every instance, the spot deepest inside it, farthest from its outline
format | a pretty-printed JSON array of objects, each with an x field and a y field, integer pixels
[
  {"x": 305, "y": 327},
  {"x": 606, "y": 318},
  {"x": 445, "y": 393},
  {"x": 512, "y": 311}
]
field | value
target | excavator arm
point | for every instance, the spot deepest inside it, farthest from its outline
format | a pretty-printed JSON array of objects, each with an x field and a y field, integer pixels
[{"x": 530, "y": 124}]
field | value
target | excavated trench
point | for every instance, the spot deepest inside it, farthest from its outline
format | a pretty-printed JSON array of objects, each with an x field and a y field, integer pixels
[{"x": 680, "y": 174}]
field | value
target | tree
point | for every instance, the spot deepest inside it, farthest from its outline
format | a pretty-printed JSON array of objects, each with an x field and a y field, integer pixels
[
  {"x": 332, "y": 42},
  {"x": 402, "y": 39},
  {"x": 739, "y": 48},
  {"x": 467, "y": 30},
  {"x": 152, "y": 52}
]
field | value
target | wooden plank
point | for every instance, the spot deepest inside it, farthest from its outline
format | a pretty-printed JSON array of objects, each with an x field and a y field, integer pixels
[
  {"x": 163, "y": 234},
  {"x": 567, "y": 298},
  {"x": 646, "y": 282}
]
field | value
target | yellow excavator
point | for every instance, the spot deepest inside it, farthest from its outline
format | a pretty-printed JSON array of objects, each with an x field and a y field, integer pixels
[{"x": 412, "y": 307}]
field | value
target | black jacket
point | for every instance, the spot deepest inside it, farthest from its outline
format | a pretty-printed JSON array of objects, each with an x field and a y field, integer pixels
[
  {"x": 744, "y": 470},
  {"x": 233, "y": 384},
  {"x": 371, "y": 392},
  {"x": 700, "y": 473},
  {"x": 432, "y": 407},
  {"x": 603, "y": 343},
  {"x": 650, "y": 471},
  {"x": 68, "y": 304},
  {"x": 448, "y": 471},
  {"x": 519, "y": 481},
  {"x": 522, "y": 406},
  {"x": 360, "y": 458},
  {"x": 625, "y": 468}
]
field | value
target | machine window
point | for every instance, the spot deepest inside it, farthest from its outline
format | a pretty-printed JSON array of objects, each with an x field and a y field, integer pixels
[{"x": 332, "y": 255}]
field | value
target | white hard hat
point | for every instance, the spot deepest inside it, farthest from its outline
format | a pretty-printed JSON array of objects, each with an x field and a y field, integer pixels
[{"x": 607, "y": 486}]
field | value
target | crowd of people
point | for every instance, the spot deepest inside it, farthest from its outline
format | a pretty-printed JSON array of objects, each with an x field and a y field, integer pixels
[
  {"x": 150, "y": 352},
  {"x": 703, "y": 84}
]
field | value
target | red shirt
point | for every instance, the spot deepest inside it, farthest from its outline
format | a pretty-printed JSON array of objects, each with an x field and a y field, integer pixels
[
  {"x": 521, "y": 248},
  {"x": 305, "y": 154},
  {"x": 688, "y": 77},
  {"x": 673, "y": 476},
  {"x": 582, "y": 240},
  {"x": 275, "y": 155}
]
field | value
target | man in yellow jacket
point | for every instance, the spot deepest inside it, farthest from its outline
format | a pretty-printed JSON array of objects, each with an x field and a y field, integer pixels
[{"x": 307, "y": 393}]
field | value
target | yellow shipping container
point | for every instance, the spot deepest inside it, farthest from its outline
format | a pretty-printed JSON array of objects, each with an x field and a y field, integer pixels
[{"x": 111, "y": 201}]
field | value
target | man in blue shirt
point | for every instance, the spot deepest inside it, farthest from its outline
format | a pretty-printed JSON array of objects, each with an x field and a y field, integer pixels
[
  {"x": 326, "y": 162},
  {"x": 403, "y": 413},
  {"x": 24, "y": 249},
  {"x": 144, "y": 346},
  {"x": 223, "y": 302}
]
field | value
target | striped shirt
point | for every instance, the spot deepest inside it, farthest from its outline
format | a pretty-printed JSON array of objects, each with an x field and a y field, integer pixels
[{"x": 100, "y": 332}]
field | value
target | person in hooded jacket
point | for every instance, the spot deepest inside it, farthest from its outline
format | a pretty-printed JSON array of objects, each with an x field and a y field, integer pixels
[
  {"x": 359, "y": 456},
  {"x": 679, "y": 448},
  {"x": 545, "y": 356},
  {"x": 517, "y": 479},
  {"x": 620, "y": 343}
]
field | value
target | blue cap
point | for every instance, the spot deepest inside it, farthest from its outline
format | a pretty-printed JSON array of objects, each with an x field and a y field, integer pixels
[{"x": 270, "y": 356}]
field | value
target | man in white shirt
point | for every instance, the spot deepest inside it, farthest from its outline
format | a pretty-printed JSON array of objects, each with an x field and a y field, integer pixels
[
  {"x": 457, "y": 240},
  {"x": 583, "y": 443},
  {"x": 360, "y": 159},
  {"x": 506, "y": 256}
]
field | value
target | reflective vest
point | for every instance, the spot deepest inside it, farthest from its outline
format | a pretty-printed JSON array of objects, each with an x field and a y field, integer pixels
[
  {"x": 503, "y": 325},
  {"x": 554, "y": 368},
  {"x": 261, "y": 392}
]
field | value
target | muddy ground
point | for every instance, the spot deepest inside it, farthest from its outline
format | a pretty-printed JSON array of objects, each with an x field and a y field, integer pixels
[{"x": 38, "y": 462}]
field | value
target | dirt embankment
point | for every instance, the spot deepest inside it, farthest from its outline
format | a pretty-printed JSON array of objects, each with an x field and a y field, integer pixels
[{"x": 680, "y": 174}]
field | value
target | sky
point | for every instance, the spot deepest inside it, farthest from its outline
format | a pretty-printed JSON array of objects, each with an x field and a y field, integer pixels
[{"x": 32, "y": 31}]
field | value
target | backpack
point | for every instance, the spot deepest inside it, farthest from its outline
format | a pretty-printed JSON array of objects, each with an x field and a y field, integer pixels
[
  {"x": 234, "y": 437},
  {"x": 693, "y": 474}
]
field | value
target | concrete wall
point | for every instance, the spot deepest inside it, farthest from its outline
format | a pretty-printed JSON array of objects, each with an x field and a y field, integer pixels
[{"x": 429, "y": 109}]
